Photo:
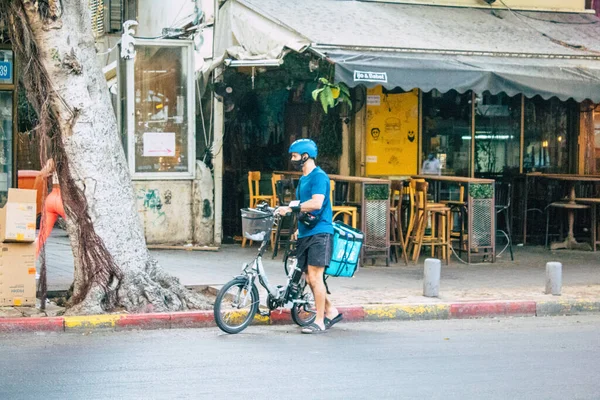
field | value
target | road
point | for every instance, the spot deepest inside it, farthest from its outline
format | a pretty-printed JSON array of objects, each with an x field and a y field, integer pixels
[{"x": 521, "y": 358}]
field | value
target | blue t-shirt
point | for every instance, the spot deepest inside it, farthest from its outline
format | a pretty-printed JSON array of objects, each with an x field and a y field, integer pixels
[{"x": 317, "y": 182}]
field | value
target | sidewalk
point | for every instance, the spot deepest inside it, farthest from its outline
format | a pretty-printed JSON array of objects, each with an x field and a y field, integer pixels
[{"x": 523, "y": 279}]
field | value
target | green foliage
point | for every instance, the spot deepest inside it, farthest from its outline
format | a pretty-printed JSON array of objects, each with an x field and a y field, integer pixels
[
  {"x": 330, "y": 95},
  {"x": 330, "y": 136},
  {"x": 481, "y": 191},
  {"x": 377, "y": 192}
]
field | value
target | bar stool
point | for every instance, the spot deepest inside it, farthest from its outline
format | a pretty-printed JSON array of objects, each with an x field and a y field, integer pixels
[
  {"x": 439, "y": 213},
  {"x": 570, "y": 207},
  {"x": 349, "y": 213},
  {"x": 396, "y": 228},
  {"x": 458, "y": 207}
]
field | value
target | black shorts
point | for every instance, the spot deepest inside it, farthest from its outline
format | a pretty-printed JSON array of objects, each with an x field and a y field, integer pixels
[{"x": 314, "y": 250}]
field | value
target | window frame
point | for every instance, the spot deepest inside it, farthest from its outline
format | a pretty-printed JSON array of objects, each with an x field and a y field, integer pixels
[{"x": 128, "y": 113}]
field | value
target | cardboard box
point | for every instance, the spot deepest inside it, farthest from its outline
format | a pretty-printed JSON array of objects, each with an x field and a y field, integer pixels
[
  {"x": 17, "y": 274},
  {"x": 17, "y": 217}
]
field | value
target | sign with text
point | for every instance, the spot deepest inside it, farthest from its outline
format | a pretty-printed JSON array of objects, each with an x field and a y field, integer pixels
[
  {"x": 369, "y": 76},
  {"x": 5, "y": 71},
  {"x": 159, "y": 144}
]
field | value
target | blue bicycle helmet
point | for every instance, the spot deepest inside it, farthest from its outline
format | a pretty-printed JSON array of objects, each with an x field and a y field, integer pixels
[{"x": 302, "y": 146}]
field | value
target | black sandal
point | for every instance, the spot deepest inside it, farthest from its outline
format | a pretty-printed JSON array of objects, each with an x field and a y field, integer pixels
[
  {"x": 331, "y": 322},
  {"x": 313, "y": 328}
]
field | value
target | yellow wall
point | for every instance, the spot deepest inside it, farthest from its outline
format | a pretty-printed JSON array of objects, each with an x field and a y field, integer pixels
[
  {"x": 396, "y": 118},
  {"x": 553, "y": 5}
]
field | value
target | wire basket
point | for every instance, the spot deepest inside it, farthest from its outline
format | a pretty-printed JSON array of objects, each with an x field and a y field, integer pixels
[{"x": 256, "y": 224}]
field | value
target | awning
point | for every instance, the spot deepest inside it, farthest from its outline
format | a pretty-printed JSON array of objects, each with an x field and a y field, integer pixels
[
  {"x": 426, "y": 47},
  {"x": 547, "y": 77}
]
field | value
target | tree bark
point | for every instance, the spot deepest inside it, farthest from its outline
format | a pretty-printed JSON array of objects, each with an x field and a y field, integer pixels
[{"x": 96, "y": 161}]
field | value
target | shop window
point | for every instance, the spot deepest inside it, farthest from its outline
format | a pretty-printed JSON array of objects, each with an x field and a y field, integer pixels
[
  {"x": 546, "y": 139},
  {"x": 6, "y": 143},
  {"x": 160, "y": 139},
  {"x": 497, "y": 134},
  {"x": 597, "y": 139},
  {"x": 447, "y": 130}
]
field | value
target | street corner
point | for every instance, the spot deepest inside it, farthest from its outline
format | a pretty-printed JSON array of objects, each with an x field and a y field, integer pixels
[
  {"x": 493, "y": 309},
  {"x": 567, "y": 307},
  {"x": 408, "y": 312}
]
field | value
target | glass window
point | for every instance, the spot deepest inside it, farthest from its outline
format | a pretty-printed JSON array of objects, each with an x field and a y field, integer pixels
[
  {"x": 6, "y": 67},
  {"x": 447, "y": 130},
  {"x": 163, "y": 128},
  {"x": 546, "y": 136},
  {"x": 497, "y": 134},
  {"x": 6, "y": 144}
]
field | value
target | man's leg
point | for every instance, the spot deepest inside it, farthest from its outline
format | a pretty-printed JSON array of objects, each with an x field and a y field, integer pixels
[{"x": 314, "y": 278}]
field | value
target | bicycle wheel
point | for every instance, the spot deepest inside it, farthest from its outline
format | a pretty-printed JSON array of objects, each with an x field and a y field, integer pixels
[
  {"x": 304, "y": 314},
  {"x": 235, "y": 305}
]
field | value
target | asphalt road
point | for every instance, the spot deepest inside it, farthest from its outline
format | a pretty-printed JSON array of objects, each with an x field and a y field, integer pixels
[{"x": 529, "y": 358}]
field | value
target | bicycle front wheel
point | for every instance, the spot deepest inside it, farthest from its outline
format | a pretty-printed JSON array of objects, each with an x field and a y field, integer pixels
[{"x": 235, "y": 305}]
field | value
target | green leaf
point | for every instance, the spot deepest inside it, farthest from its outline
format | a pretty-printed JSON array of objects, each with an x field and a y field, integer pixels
[
  {"x": 315, "y": 93},
  {"x": 344, "y": 89},
  {"x": 324, "y": 81},
  {"x": 324, "y": 102},
  {"x": 329, "y": 97}
]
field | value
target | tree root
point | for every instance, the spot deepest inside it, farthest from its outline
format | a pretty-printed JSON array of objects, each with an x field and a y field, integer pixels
[{"x": 151, "y": 290}]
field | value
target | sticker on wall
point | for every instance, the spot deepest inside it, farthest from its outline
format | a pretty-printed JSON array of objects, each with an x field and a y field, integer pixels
[
  {"x": 373, "y": 100},
  {"x": 371, "y": 159},
  {"x": 159, "y": 144}
]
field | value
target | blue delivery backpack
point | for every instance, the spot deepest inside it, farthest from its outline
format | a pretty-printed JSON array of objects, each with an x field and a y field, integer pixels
[{"x": 347, "y": 243}]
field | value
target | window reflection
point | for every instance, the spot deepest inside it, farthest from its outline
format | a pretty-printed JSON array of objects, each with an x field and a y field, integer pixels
[
  {"x": 6, "y": 144},
  {"x": 546, "y": 136},
  {"x": 161, "y": 112},
  {"x": 447, "y": 130},
  {"x": 497, "y": 134}
]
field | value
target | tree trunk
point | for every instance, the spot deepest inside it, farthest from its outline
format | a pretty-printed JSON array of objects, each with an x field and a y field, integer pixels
[{"x": 91, "y": 143}]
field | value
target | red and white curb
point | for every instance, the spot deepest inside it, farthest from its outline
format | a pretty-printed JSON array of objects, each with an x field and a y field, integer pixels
[{"x": 380, "y": 312}]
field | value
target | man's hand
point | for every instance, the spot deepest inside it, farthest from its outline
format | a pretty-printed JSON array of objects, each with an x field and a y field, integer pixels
[{"x": 283, "y": 211}]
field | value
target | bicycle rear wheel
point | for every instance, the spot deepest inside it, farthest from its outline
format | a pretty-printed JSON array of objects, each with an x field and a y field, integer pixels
[
  {"x": 235, "y": 305},
  {"x": 304, "y": 314}
]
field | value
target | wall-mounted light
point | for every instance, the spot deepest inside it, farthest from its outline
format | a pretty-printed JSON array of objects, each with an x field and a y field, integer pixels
[
  {"x": 545, "y": 143},
  {"x": 560, "y": 139}
]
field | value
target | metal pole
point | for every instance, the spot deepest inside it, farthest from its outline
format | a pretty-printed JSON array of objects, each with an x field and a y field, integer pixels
[
  {"x": 473, "y": 98},
  {"x": 522, "y": 150}
]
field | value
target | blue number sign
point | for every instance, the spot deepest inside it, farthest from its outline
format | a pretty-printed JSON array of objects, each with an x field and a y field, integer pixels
[{"x": 5, "y": 70}]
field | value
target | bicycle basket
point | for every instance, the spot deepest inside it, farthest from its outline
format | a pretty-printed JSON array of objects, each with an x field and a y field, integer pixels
[{"x": 256, "y": 224}]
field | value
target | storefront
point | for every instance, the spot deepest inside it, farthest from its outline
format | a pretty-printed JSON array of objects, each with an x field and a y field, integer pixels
[
  {"x": 8, "y": 122},
  {"x": 489, "y": 92}
]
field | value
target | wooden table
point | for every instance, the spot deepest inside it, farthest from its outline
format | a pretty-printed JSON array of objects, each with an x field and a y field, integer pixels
[
  {"x": 481, "y": 213},
  {"x": 375, "y": 214},
  {"x": 571, "y": 179},
  {"x": 593, "y": 203}
]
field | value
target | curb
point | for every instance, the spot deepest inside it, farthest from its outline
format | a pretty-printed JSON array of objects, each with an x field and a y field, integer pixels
[{"x": 402, "y": 312}]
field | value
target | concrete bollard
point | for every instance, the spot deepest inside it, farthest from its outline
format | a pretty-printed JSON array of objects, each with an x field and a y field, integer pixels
[
  {"x": 431, "y": 279},
  {"x": 553, "y": 278}
]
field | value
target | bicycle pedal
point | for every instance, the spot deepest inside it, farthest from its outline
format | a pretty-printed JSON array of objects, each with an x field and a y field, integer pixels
[{"x": 264, "y": 313}]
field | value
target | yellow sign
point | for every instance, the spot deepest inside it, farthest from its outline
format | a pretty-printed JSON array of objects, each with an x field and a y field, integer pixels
[{"x": 392, "y": 137}]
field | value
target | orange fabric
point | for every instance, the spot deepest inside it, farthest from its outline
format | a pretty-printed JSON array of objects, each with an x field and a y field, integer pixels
[{"x": 54, "y": 208}]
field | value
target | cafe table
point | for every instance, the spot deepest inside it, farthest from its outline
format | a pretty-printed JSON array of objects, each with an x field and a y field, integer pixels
[
  {"x": 594, "y": 203},
  {"x": 374, "y": 213},
  {"x": 481, "y": 211},
  {"x": 571, "y": 179}
]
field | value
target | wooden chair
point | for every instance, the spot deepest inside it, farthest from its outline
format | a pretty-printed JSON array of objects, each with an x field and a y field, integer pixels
[
  {"x": 274, "y": 179},
  {"x": 255, "y": 196},
  {"x": 458, "y": 207},
  {"x": 349, "y": 213},
  {"x": 396, "y": 228},
  {"x": 440, "y": 216}
]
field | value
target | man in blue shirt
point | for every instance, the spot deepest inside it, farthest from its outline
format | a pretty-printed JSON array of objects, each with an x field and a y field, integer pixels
[{"x": 315, "y": 238}]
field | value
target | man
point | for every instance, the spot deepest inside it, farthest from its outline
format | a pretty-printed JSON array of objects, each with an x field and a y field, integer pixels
[
  {"x": 315, "y": 243},
  {"x": 432, "y": 166}
]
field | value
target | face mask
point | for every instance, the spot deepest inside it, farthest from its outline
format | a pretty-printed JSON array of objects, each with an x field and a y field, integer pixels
[{"x": 297, "y": 165}]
